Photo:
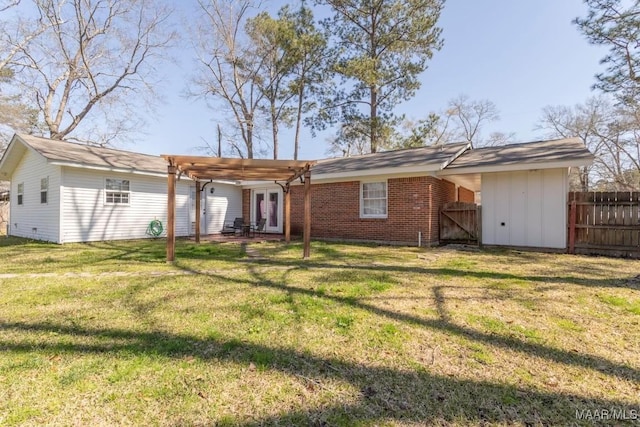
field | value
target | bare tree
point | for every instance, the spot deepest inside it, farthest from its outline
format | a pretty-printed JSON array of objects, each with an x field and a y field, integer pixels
[
  {"x": 468, "y": 117},
  {"x": 463, "y": 121},
  {"x": 611, "y": 134},
  {"x": 351, "y": 140},
  {"x": 16, "y": 33},
  {"x": 498, "y": 138},
  {"x": 228, "y": 66},
  {"x": 92, "y": 69}
]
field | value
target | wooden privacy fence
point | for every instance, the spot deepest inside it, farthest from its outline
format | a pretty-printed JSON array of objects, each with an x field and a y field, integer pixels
[
  {"x": 459, "y": 222},
  {"x": 604, "y": 223}
]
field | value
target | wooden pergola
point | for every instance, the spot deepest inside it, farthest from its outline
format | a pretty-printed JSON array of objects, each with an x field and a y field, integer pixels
[{"x": 205, "y": 169}]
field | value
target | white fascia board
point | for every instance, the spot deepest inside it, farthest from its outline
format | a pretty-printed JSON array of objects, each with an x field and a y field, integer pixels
[
  {"x": 348, "y": 176},
  {"x": 367, "y": 178},
  {"x": 395, "y": 172},
  {"x": 110, "y": 169},
  {"x": 13, "y": 153},
  {"x": 514, "y": 167}
]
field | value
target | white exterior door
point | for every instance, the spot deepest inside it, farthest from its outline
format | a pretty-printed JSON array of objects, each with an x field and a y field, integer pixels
[
  {"x": 267, "y": 203},
  {"x": 525, "y": 208}
]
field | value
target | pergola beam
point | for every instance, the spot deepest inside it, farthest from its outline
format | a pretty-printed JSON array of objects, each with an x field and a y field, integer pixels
[
  {"x": 212, "y": 168},
  {"x": 221, "y": 161},
  {"x": 237, "y": 176}
]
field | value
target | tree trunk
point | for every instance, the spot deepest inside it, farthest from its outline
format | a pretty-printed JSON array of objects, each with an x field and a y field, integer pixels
[
  {"x": 296, "y": 140},
  {"x": 250, "y": 141},
  {"x": 374, "y": 119},
  {"x": 274, "y": 128}
]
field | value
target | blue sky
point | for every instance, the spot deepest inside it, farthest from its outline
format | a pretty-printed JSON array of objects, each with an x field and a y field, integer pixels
[{"x": 520, "y": 54}]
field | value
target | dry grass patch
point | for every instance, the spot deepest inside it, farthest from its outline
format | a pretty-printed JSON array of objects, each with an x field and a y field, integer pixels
[{"x": 358, "y": 335}]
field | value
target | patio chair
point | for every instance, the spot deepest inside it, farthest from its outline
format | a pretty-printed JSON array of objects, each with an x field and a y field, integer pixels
[
  {"x": 234, "y": 228},
  {"x": 259, "y": 227}
]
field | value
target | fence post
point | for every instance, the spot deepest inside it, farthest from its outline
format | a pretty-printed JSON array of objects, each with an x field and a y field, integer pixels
[{"x": 572, "y": 226}]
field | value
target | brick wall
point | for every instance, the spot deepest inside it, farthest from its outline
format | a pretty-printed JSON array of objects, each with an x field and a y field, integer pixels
[
  {"x": 413, "y": 206},
  {"x": 466, "y": 195}
]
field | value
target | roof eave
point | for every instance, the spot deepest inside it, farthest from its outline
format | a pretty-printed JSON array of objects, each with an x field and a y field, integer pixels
[
  {"x": 11, "y": 153},
  {"x": 421, "y": 169},
  {"x": 106, "y": 168},
  {"x": 517, "y": 166}
]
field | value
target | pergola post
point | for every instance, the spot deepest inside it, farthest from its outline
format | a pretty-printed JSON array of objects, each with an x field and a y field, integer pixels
[
  {"x": 198, "y": 207},
  {"x": 307, "y": 215},
  {"x": 200, "y": 169},
  {"x": 171, "y": 213},
  {"x": 287, "y": 213}
]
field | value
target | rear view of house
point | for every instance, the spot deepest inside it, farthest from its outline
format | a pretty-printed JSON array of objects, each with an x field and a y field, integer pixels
[{"x": 64, "y": 192}]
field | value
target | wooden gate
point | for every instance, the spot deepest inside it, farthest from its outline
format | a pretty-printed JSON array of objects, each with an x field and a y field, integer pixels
[
  {"x": 605, "y": 223},
  {"x": 459, "y": 222}
]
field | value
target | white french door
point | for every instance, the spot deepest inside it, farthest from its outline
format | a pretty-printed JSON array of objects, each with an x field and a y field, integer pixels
[{"x": 267, "y": 203}]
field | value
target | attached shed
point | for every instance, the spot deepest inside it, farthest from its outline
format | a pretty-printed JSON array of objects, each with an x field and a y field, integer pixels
[
  {"x": 65, "y": 192},
  {"x": 523, "y": 189}
]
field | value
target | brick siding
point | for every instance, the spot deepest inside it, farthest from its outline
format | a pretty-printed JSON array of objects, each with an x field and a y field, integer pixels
[
  {"x": 466, "y": 195},
  {"x": 413, "y": 206}
]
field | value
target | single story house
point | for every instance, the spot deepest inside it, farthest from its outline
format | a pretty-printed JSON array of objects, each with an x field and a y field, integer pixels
[{"x": 393, "y": 197}]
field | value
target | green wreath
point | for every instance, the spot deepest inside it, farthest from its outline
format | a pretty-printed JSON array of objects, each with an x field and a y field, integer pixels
[{"x": 155, "y": 228}]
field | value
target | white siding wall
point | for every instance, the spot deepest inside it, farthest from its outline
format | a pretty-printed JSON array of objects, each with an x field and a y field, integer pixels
[
  {"x": 525, "y": 208},
  {"x": 33, "y": 219},
  {"x": 223, "y": 206},
  {"x": 86, "y": 216}
]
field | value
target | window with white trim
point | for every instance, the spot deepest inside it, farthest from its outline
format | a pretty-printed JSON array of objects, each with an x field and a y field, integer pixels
[
  {"x": 373, "y": 199},
  {"x": 44, "y": 189},
  {"x": 21, "y": 193},
  {"x": 116, "y": 191}
]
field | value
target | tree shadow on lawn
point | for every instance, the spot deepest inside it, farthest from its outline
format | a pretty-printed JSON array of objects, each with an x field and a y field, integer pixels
[
  {"x": 384, "y": 393},
  {"x": 141, "y": 252},
  {"x": 618, "y": 282},
  {"x": 443, "y": 323}
]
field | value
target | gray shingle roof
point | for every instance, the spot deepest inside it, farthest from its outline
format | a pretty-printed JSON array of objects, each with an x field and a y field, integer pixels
[
  {"x": 553, "y": 151},
  {"x": 432, "y": 156},
  {"x": 79, "y": 154}
]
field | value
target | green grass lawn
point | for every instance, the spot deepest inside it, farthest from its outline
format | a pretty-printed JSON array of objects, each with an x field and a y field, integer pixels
[{"x": 109, "y": 334}]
